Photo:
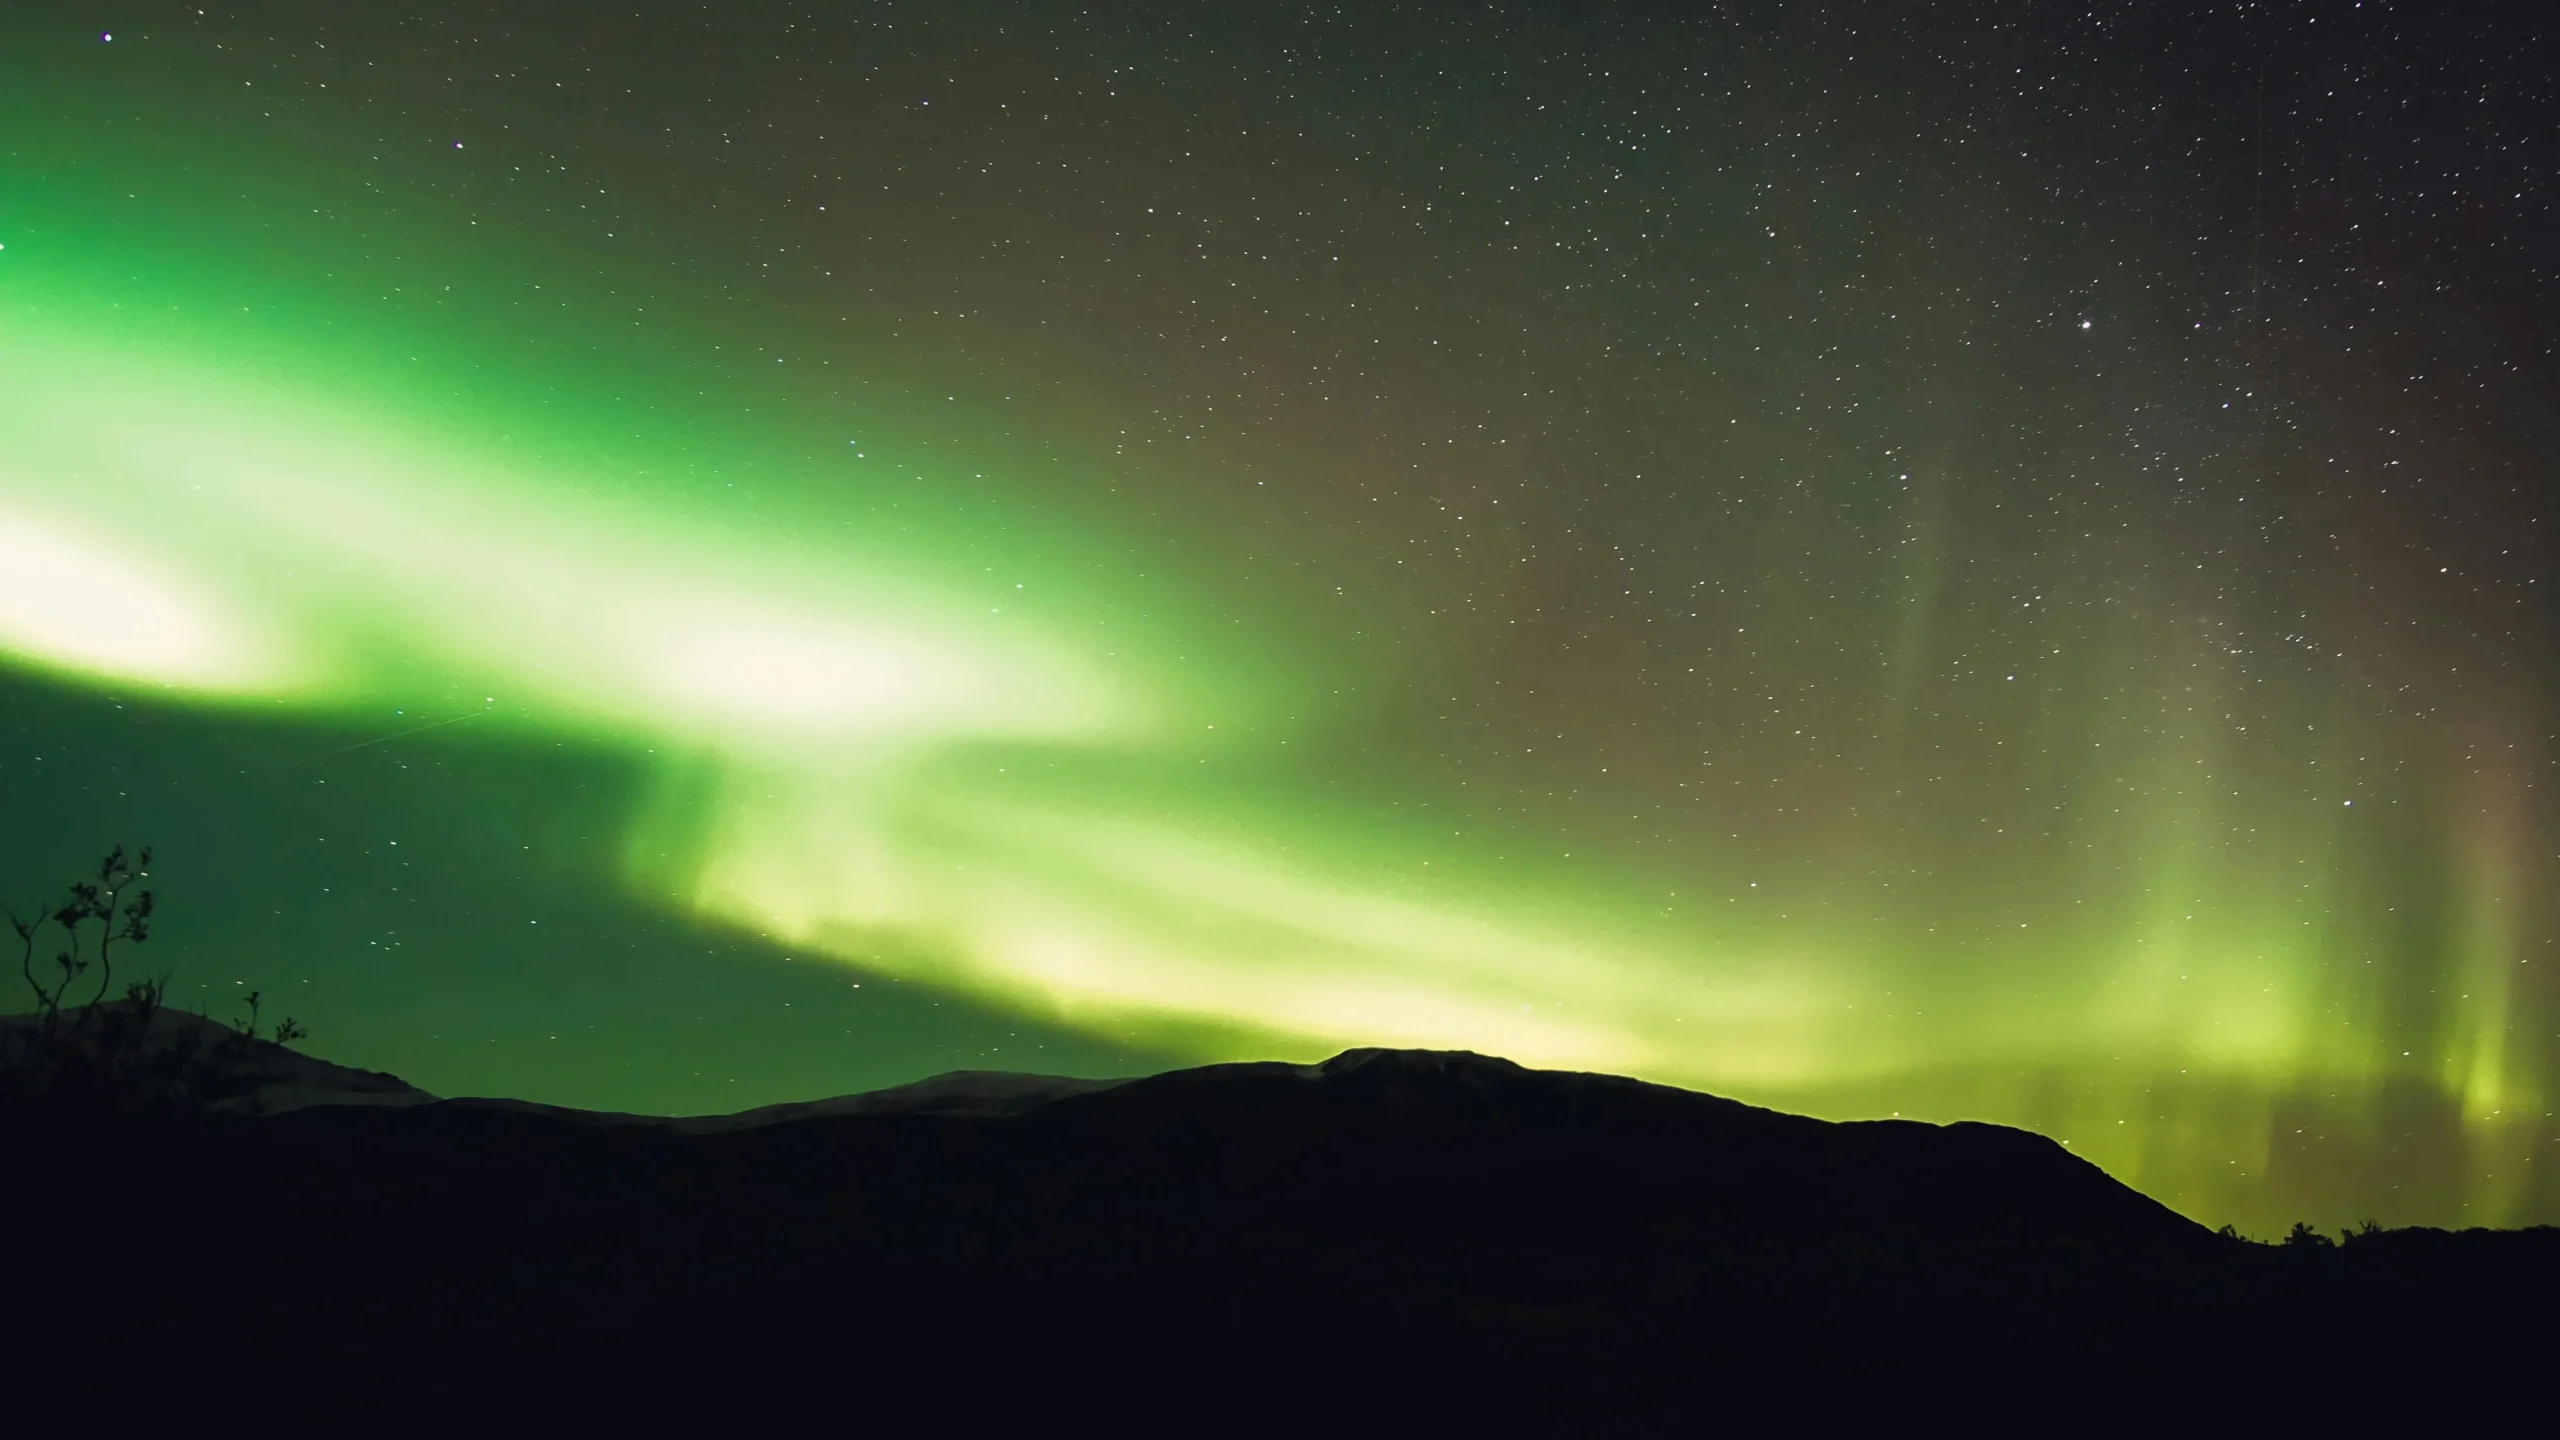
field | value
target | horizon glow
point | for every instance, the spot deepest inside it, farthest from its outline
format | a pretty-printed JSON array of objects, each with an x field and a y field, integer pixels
[{"x": 1867, "y": 797}]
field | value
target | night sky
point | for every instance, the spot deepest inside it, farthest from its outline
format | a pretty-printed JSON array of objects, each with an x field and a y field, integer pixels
[{"x": 1967, "y": 561}]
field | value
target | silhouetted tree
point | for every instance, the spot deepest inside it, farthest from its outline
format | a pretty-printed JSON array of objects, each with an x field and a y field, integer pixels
[
  {"x": 115, "y": 1052},
  {"x": 89, "y": 902}
]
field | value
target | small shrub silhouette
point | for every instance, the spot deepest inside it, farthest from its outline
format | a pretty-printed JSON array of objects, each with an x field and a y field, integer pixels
[
  {"x": 116, "y": 1053},
  {"x": 2302, "y": 1236}
]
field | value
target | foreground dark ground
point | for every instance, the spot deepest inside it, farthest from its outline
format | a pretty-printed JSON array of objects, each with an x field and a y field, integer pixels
[{"x": 1442, "y": 1233}]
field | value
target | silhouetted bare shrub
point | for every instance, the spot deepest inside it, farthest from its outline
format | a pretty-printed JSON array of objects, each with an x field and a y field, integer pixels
[{"x": 115, "y": 1052}]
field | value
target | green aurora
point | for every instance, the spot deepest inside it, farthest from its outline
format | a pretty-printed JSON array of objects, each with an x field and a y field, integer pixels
[{"x": 1157, "y": 544}]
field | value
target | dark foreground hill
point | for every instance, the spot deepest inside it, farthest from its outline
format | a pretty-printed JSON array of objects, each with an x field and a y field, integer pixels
[{"x": 1387, "y": 1229}]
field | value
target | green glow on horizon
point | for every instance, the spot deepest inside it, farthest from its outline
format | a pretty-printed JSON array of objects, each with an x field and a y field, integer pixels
[
  {"x": 238, "y": 547},
  {"x": 980, "y": 708}
]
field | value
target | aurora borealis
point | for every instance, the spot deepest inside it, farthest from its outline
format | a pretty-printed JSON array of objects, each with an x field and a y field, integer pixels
[{"x": 1957, "y": 564}]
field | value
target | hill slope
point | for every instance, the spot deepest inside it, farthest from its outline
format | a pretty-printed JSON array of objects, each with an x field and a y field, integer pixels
[{"x": 1362, "y": 1226}]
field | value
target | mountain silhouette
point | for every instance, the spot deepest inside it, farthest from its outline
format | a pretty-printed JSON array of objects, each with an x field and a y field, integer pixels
[
  {"x": 271, "y": 1078},
  {"x": 1437, "y": 1232}
]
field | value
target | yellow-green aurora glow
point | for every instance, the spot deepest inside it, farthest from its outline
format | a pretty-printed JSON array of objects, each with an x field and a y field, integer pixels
[{"x": 1714, "y": 616}]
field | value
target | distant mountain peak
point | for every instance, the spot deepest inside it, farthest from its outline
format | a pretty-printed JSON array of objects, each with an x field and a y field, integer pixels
[{"x": 1376, "y": 1059}]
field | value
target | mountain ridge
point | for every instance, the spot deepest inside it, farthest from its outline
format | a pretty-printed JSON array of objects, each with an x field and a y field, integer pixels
[{"x": 1384, "y": 1223}]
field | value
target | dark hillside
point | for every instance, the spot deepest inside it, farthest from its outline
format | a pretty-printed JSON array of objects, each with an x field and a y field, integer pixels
[{"x": 1593, "y": 1245}]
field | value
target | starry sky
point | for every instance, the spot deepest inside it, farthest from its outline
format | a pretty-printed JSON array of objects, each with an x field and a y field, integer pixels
[{"x": 1971, "y": 561}]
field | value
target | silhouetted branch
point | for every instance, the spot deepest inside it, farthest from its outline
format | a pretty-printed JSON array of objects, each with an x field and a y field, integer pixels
[{"x": 113, "y": 1051}]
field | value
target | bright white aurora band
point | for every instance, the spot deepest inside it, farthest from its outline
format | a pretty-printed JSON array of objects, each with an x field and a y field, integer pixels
[{"x": 234, "y": 547}]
